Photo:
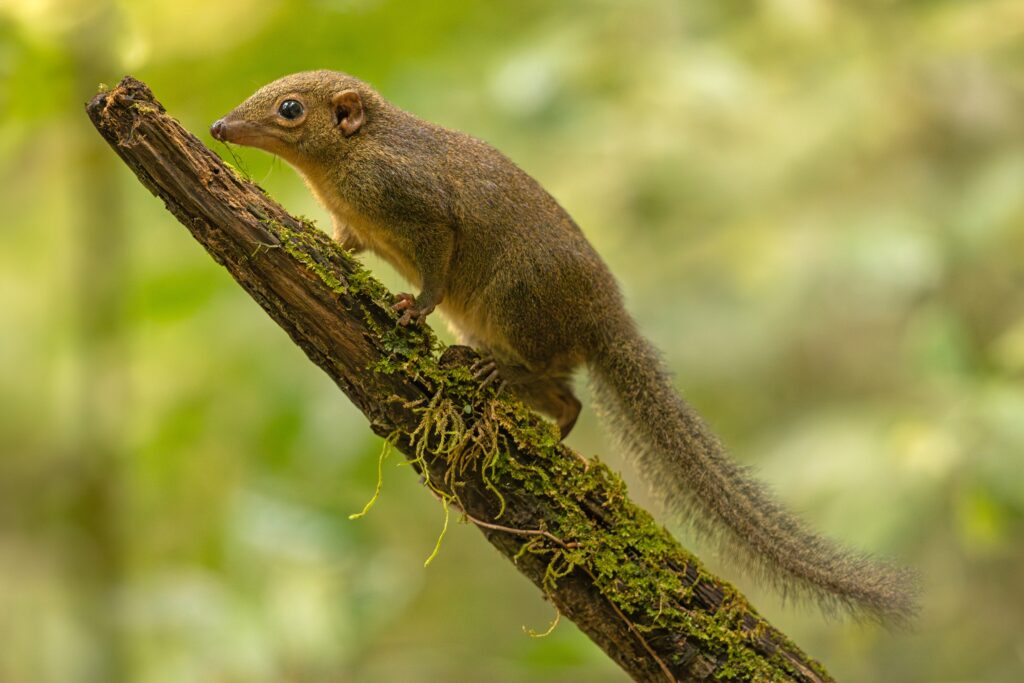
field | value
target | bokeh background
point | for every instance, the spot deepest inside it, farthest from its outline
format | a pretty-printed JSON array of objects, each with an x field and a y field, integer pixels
[{"x": 815, "y": 208}]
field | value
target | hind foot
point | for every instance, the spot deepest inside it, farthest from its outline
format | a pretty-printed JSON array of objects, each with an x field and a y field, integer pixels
[{"x": 485, "y": 370}]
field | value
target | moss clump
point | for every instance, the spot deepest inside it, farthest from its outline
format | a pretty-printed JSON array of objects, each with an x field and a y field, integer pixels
[{"x": 408, "y": 349}]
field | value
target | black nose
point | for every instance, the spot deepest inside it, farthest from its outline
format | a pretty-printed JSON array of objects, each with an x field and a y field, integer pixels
[{"x": 217, "y": 130}]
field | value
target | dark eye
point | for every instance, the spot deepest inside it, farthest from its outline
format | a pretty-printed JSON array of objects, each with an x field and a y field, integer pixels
[{"x": 290, "y": 109}]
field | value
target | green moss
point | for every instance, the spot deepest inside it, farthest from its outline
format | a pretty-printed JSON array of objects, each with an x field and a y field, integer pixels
[
  {"x": 142, "y": 107},
  {"x": 238, "y": 173}
]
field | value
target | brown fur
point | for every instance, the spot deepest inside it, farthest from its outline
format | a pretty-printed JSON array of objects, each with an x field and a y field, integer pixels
[{"x": 518, "y": 279}]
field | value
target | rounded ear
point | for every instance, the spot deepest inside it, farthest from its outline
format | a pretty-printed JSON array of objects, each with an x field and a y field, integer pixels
[{"x": 349, "y": 114}]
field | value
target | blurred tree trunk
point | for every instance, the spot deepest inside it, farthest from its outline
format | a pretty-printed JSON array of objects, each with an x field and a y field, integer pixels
[
  {"x": 98, "y": 276},
  {"x": 567, "y": 525}
]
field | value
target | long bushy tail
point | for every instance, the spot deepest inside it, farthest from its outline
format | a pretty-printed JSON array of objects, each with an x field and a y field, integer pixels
[{"x": 696, "y": 482}]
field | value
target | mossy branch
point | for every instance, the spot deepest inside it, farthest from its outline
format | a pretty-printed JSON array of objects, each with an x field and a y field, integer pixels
[{"x": 566, "y": 525}]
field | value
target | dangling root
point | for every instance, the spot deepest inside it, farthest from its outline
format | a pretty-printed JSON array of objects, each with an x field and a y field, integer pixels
[
  {"x": 444, "y": 530},
  {"x": 442, "y": 431},
  {"x": 384, "y": 452},
  {"x": 534, "y": 634}
]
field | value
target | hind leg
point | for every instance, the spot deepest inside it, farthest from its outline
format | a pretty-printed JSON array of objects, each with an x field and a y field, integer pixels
[
  {"x": 551, "y": 395},
  {"x": 558, "y": 396}
]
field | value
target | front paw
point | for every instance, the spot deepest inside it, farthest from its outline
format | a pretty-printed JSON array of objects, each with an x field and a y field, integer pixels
[{"x": 406, "y": 305}]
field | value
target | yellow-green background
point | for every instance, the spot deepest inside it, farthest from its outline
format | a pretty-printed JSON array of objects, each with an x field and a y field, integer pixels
[{"x": 816, "y": 208}]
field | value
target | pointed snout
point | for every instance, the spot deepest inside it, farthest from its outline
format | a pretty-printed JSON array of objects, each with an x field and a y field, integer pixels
[
  {"x": 237, "y": 130},
  {"x": 231, "y": 128},
  {"x": 219, "y": 130}
]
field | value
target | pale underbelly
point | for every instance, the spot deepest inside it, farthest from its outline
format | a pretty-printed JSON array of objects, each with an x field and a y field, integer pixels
[
  {"x": 397, "y": 260},
  {"x": 474, "y": 326}
]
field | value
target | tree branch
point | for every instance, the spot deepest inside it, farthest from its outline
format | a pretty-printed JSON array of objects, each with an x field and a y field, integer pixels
[{"x": 566, "y": 525}]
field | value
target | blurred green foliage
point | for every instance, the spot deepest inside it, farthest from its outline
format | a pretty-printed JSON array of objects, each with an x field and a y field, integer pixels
[{"x": 815, "y": 208}]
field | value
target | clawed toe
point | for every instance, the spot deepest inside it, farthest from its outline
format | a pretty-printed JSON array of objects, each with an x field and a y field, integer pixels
[
  {"x": 483, "y": 366},
  {"x": 490, "y": 379},
  {"x": 408, "y": 311},
  {"x": 406, "y": 305},
  {"x": 403, "y": 301},
  {"x": 485, "y": 370}
]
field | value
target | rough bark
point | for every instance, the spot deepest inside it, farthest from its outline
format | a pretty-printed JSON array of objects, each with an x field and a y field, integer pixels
[{"x": 566, "y": 524}]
